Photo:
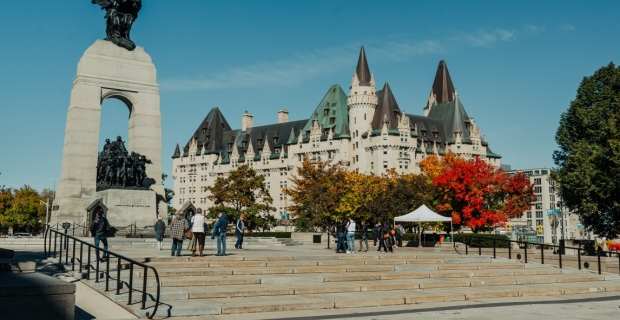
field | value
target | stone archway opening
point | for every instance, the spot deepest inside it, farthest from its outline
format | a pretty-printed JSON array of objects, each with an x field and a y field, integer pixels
[{"x": 115, "y": 114}]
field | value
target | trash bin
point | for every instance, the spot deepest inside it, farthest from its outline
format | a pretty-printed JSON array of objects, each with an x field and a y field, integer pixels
[
  {"x": 316, "y": 238},
  {"x": 441, "y": 239},
  {"x": 448, "y": 239},
  {"x": 562, "y": 247}
]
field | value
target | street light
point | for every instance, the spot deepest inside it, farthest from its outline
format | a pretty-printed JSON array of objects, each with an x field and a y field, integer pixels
[{"x": 47, "y": 210}]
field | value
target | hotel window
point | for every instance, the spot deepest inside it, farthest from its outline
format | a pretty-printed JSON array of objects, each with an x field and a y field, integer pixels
[
  {"x": 384, "y": 150},
  {"x": 400, "y": 164},
  {"x": 385, "y": 136},
  {"x": 385, "y": 165},
  {"x": 406, "y": 164},
  {"x": 372, "y": 166},
  {"x": 529, "y": 215},
  {"x": 356, "y": 158}
]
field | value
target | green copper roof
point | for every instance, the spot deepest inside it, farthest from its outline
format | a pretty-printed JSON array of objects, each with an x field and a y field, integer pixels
[
  {"x": 454, "y": 118},
  {"x": 332, "y": 112}
]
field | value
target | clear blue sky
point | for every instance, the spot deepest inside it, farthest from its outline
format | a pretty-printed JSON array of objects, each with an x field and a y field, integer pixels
[{"x": 516, "y": 65}]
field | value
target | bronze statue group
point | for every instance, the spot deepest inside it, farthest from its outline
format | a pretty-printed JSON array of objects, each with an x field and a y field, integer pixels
[{"x": 118, "y": 169}]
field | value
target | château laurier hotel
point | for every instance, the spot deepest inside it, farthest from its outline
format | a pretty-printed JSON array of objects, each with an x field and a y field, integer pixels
[{"x": 364, "y": 131}]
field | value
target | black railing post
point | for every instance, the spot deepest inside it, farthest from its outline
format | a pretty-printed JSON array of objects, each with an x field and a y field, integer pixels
[
  {"x": 107, "y": 274},
  {"x": 466, "y": 246},
  {"x": 542, "y": 253},
  {"x": 479, "y": 247},
  {"x": 579, "y": 256},
  {"x": 618, "y": 253},
  {"x": 81, "y": 261},
  {"x": 88, "y": 265},
  {"x": 494, "y": 256},
  {"x": 66, "y": 250},
  {"x": 144, "y": 289},
  {"x": 599, "y": 261},
  {"x": 130, "y": 281},
  {"x": 61, "y": 246},
  {"x": 560, "y": 256},
  {"x": 55, "y": 239},
  {"x": 73, "y": 257},
  {"x": 118, "y": 275},
  {"x": 509, "y": 249},
  {"x": 525, "y": 251},
  {"x": 97, "y": 269}
]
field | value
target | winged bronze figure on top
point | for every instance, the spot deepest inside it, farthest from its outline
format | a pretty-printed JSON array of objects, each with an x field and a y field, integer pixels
[{"x": 120, "y": 15}]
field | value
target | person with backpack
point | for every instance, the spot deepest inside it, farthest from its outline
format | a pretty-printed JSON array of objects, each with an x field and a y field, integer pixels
[
  {"x": 239, "y": 230},
  {"x": 160, "y": 229},
  {"x": 393, "y": 237},
  {"x": 341, "y": 229},
  {"x": 386, "y": 237},
  {"x": 99, "y": 229}
]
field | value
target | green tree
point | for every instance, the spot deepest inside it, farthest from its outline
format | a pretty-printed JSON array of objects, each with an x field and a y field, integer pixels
[
  {"x": 168, "y": 195},
  {"x": 315, "y": 194},
  {"x": 24, "y": 210},
  {"x": 243, "y": 191},
  {"x": 6, "y": 202},
  {"x": 588, "y": 158}
]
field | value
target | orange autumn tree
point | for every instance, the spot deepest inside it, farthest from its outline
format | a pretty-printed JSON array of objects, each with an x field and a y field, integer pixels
[
  {"x": 433, "y": 166},
  {"x": 480, "y": 196}
]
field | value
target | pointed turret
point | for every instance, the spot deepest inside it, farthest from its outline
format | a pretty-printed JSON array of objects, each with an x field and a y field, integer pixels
[
  {"x": 362, "y": 71},
  {"x": 177, "y": 152},
  {"x": 211, "y": 131},
  {"x": 443, "y": 89},
  {"x": 387, "y": 109}
]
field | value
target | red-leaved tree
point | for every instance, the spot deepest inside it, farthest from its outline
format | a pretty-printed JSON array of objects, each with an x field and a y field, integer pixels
[{"x": 480, "y": 196}]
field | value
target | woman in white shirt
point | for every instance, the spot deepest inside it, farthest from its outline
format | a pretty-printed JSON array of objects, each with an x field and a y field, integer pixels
[{"x": 198, "y": 229}]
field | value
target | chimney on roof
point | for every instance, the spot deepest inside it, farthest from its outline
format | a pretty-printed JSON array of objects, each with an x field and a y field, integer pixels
[
  {"x": 246, "y": 121},
  {"x": 282, "y": 116}
]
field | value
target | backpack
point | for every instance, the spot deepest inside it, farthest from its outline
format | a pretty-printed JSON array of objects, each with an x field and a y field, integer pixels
[{"x": 393, "y": 232}]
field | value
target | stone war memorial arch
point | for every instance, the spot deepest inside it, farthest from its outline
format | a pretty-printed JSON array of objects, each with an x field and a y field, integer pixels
[{"x": 111, "y": 68}]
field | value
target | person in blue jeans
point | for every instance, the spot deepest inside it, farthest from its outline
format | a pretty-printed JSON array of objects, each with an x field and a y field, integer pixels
[
  {"x": 351, "y": 236},
  {"x": 99, "y": 229},
  {"x": 178, "y": 229},
  {"x": 239, "y": 230},
  {"x": 341, "y": 230},
  {"x": 219, "y": 230}
]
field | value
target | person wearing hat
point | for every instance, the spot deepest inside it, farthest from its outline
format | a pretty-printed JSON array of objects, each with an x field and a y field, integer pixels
[
  {"x": 178, "y": 229},
  {"x": 239, "y": 230},
  {"x": 198, "y": 230},
  {"x": 160, "y": 228}
]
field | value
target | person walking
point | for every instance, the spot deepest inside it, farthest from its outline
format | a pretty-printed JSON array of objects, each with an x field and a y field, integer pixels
[
  {"x": 341, "y": 230},
  {"x": 99, "y": 229},
  {"x": 160, "y": 229},
  {"x": 400, "y": 232},
  {"x": 198, "y": 231},
  {"x": 364, "y": 236},
  {"x": 387, "y": 234},
  {"x": 382, "y": 237},
  {"x": 219, "y": 230},
  {"x": 178, "y": 229},
  {"x": 239, "y": 231},
  {"x": 351, "y": 236},
  {"x": 375, "y": 235}
]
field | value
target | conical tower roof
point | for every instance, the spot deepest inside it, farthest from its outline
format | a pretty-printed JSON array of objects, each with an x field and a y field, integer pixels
[
  {"x": 362, "y": 70},
  {"x": 177, "y": 152},
  {"x": 442, "y": 86},
  {"x": 386, "y": 109},
  {"x": 331, "y": 112},
  {"x": 211, "y": 130}
]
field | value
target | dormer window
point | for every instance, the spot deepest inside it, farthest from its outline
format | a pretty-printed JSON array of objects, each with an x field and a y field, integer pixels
[
  {"x": 260, "y": 142},
  {"x": 424, "y": 133},
  {"x": 229, "y": 145},
  {"x": 435, "y": 134},
  {"x": 244, "y": 144},
  {"x": 277, "y": 150},
  {"x": 332, "y": 120},
  {"x": 326, "y": 112},
  {"x": 207, "y": 138},
  {"x": 204, "y": 130}
]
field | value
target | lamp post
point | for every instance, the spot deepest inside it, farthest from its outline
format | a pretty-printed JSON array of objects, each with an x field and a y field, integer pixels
[{"x": 47, "y": 210}]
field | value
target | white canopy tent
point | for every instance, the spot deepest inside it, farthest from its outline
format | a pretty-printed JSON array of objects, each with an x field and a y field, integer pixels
[{"x": 424, "y": 214}]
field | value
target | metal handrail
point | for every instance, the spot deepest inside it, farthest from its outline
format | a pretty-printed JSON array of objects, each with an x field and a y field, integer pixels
[
  {"x": 542, "y": 250},
  {"x": 64, "y": 241}
]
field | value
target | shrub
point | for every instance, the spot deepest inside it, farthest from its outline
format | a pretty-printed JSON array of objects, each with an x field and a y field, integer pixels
[{"x": 476, "y": 240}]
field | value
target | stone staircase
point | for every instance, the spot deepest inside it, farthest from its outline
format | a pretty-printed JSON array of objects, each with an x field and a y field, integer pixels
[{"x": 287, "y": 280}]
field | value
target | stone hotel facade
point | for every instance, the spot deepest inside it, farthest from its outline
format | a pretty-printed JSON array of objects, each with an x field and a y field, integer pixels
[{"x": 365, "y": 131}]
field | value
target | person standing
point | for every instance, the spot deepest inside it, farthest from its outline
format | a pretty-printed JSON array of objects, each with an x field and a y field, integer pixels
[
  {"x": 189, "y": 218},
  {"x": 198, "y": 231},
  {"x": 219, "y": 230},
  {"x": 178, "y": 229},
  {"x": 364, "y": 236},
  {"x": 400, "y": 232},
  {"x": 239, "y": 231},
  {"x": 341, "y": 229},
  {"x": 375, "y": 236},
  {"x": 99, "y": 229},
  {"x": 388, "y": 236},
  {"x": 160, "y": 229},
  {"x": 381, "y": 236},
  {"x": 351, "y": 236}
]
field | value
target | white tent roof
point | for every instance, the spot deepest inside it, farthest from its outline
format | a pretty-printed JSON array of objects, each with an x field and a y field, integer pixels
[{"x": 422, "y": 214}]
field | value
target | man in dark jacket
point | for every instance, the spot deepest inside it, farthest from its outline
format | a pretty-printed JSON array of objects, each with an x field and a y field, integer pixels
[
  {"x": 219, "y": 230},
  {"x": 99, "y": 228},
  {"x": 375, "y": 234},
  {"x": 364, "y": 236},
  {"x": 341, "y": 229}
]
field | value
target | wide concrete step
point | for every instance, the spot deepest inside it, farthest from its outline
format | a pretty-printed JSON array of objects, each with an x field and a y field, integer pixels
[{"x": 236, "y": 305}]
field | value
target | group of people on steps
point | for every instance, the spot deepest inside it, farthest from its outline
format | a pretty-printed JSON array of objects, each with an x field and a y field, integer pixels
[
  {"x": 387, "y": 235},
  {"x": 199, "y": 228}
]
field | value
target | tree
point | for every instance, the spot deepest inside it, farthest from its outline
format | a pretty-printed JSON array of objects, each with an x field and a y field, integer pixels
[
  {"x": 315, "y": 194},
  {"x": 6, "y": 201},
  {"x": 588, "y": 158},
  {"x": 24, "y": 209},
  {"x": 478, "y": 195},
  {"x": 243, "y": 191},
  {"x": 433, "y": 166},
  {"x": 168, "y": 195}
]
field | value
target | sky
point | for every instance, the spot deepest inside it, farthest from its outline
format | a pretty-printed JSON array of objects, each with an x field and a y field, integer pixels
[{"x": 516, "y": 65}]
